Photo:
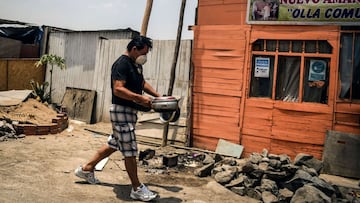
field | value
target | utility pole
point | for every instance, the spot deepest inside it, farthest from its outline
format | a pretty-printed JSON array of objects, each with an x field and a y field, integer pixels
[
  {"x": 173, "y": 68},
  {"x": 146, "y": 17}
]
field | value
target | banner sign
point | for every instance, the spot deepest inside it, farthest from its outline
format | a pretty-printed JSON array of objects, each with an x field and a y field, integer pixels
[{"x": 305, "y": 12}]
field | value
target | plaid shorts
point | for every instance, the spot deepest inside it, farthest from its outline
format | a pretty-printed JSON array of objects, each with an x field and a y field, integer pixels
[{"x": 123, "y": 120}]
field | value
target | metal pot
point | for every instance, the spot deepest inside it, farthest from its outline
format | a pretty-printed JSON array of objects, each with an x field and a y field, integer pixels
[{"x": 164, "y": 104}]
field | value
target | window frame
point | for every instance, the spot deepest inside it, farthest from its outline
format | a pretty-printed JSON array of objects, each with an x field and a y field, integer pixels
[{"x": 302, "y": 56}]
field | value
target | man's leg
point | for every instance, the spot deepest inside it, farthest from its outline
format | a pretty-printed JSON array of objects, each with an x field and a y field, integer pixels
[
  {"x": 131, "y": 169},
  {"x": 102, "y": 153}
]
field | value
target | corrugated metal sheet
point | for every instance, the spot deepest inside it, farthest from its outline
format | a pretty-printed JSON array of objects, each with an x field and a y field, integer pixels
[{"x": 79, "y": 50}]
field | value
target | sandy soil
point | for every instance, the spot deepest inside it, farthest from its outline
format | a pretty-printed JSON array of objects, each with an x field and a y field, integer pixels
[{"x": 40, "y": 169}]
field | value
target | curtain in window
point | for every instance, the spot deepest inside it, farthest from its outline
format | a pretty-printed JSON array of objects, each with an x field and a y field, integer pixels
[
  {"x": 345, "y": 64},
  {"x": 287, "y": 86}
]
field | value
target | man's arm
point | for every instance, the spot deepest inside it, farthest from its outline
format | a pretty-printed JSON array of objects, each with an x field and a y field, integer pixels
[
  {"x": 121, "y": 91},
  {"x": 150, "y": 90}
]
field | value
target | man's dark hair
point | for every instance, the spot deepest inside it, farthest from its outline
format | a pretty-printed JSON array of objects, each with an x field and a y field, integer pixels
[{"x": 139, "y": 42}]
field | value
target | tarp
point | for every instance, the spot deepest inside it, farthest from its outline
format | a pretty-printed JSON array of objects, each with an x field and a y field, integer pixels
[{"x": 25, "y": 34}]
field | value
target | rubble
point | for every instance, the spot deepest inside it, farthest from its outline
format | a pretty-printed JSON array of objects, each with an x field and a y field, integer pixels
[{"x": 262, "y": 176}]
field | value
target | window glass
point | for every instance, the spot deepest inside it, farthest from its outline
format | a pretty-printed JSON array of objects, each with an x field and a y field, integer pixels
[
  {"x": 297, "y": 46},
  {"x": 356, "y": 70},
  {"x": 258, "y": 45},
  {"x": 270, "y": 45},
  {"x": 316, "y": 77},
  {"x": 288, "y": 77},
  {"x": 262, "y": 76},
  {"x": 324, "y": 47},
  {"x": 284, "y": 45},
  {"x": 310, "y": 46}
]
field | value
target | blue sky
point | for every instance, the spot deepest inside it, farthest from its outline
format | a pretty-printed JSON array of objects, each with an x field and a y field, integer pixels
[{"x": 103, "y": 14}]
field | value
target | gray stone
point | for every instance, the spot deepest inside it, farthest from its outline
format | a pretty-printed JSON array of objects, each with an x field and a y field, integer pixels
[
  {"x": 265, "y": 159},
  {"x": 309, "y": 194},
  {"x": 269, "y": 185},
  {"x": 274, "y": 156},
  {"x": 298, "y": 180},
  {"x": 248, "y": 167},
  {"x": 323, "y": 186},
  {"x": 238, "y": 190},
  {"x": 268, "y": 197},
  {"x": 311, "y": 171},
  {"x": 236, "y": 182},
  {"x": 274, "y": 163},
  {"x": 224, "y": 177},
  {"x": 284, "y": 159},
  {"x": 204, "y": 171},
  {"x": 264, "y": 153},
  {"x": 263, "y": 166},
  {"x": 285, "y": 195},
  {"x": 208, "y": 160},
  {"x": 253, "y": 193},
  {"x": 274, "y": 175},
  {"x": 309, "y": 161},
  {"x": 255, "y": 158}
]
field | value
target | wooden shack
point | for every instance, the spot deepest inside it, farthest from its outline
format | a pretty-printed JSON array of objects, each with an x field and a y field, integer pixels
[{"x": 263, "y": 82}]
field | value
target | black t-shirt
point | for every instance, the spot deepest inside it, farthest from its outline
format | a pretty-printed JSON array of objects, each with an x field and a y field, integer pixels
[{"x": 125, "y": 69}]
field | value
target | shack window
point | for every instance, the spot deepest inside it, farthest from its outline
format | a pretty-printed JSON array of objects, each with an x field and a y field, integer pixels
[
  {"x": 349, "y": 70},
  {"x": 290, "y": 70}
]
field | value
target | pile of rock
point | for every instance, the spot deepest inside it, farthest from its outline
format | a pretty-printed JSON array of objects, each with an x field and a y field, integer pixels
[
  {"x": 272, "y": 178},
  {"x": 7, "y": 131}
]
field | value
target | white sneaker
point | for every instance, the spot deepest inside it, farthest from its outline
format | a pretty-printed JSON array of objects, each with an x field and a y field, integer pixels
[
  {"x": 142, "y": 193},
  {"x": 89, "y": 176}
]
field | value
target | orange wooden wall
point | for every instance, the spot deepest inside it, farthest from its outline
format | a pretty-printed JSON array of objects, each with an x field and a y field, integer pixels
[{"x": 221, "y": 106}]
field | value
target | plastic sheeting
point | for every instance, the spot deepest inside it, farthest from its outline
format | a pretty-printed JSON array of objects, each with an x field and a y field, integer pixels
[{"x": 27, "y": 34}]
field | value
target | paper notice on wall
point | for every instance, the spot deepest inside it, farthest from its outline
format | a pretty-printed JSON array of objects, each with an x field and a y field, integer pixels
[
  {"x": 262, "y": 66},
  {"x": 317, "y": 70}
]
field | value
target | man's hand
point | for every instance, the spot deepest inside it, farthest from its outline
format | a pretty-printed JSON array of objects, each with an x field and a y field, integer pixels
[{"x": 144, "y": 101}]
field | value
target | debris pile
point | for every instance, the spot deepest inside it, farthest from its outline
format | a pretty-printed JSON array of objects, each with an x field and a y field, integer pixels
[
  {"x": 31, "y": 117},
  {"x": 263, "y": 176}
]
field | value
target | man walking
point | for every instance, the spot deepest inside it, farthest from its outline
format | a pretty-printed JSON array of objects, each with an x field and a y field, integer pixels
[{"x": 127, "y": 84}]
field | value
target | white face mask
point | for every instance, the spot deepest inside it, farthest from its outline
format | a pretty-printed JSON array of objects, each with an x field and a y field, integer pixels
[{"x": 141, "y": 60}]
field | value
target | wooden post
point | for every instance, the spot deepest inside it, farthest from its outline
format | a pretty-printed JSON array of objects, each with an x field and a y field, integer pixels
[
  {"x": 173, "y": 68},
  {"x": 146, "y": 18}
]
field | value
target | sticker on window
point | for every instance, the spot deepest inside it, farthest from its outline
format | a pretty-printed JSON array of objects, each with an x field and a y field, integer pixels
[
  {"x": 317, "y": 70},
  {"x": 262, "y": 66}
]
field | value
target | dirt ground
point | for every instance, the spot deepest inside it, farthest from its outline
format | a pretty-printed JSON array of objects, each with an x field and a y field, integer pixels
[{"x": 40, "y": 169}]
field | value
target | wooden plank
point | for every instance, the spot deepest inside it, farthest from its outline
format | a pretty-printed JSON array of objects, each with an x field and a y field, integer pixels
[
  {"x": 351, "y": 108},
  {"x": 304, "y": 136},
  {"x": 219, "y": 119},
  {"x": 347, "y": 117},
  {"x": 260, "y": 103},
  {"x": 21, "y": 72},
  {"x": 225, "y": 14},
  {"x": 210, "y": 2},
  {"x": 204, "y": 72},
  {"x": 207, "y": 143},
  {"x": 238, "y": 34},
  {"x": 220, "y": 64},
  {"x": 278, "y": 113},
  {"x": 209, "y": 90},
  {"x": 347, "y": 128},
  {"x": 303, "y": 107},
  {"x": 302, "y": 125},
  {"x": 294, "y": 148},
  {"x": 219, "y": 44},
  {"x": 301, "y": 32},
  {"x": 251, "y": 113},
  {"x": 3, "y": 75},
  {"x": 218, "y": 132},
  {"x": 254, "y": 144},
  {"x": 217, "y": 100},
  {"x": 218, "y": 86},
  {"x": 211, "y": 54},
  {"x": 258, "y": 124},
  {"x": 231, "y": 82},
  {"x": 256, "y": 132}
]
